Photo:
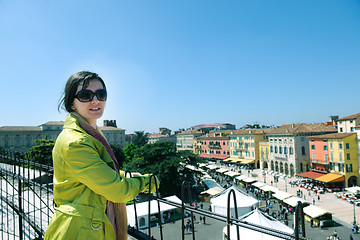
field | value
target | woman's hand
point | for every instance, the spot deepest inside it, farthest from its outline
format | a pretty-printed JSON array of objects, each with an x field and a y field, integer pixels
[{"x": 134, "y": 174}]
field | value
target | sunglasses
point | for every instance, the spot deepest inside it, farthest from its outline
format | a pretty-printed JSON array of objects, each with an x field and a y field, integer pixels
[{"x": 87, "y": 95}]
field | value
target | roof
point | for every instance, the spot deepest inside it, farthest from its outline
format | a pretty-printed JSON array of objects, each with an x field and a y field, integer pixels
[
  {"x": 108, "y": 128},
  {"x": 349, "y": 117},
  {"x": 332, "y": 136},
  {"x": 156, "y": 135},
  {"x": 255, "y": 131},
  {"x": 20, "y": 128},
  {"x": 331, "y": 177},
  {"x": 204, "y": 155},
  {"x": 54, "y": 123},
  {"x": 299, "y": 128},
  {"x": 310, "y": 174},
  {"x": 281, "y": 195},
  {"x": 314, "y": 211},
  {"x": 292, "y": 201},
  {"x": 191, "y": 132}
]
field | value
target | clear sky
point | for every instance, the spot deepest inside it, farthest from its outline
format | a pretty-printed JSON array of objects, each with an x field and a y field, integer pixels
[{"x": 177, "y": 64}]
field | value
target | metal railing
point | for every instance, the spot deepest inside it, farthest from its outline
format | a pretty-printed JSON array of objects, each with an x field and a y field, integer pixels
[{"x": 27, "y": 199}]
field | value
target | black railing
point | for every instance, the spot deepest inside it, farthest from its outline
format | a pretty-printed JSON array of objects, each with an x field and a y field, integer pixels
[{"x": 27, "y": 204}]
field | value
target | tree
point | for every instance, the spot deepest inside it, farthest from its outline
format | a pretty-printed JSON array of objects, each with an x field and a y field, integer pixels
[
  {"x": 119, "y": 154},
  {"x": 162, "y": 160},
  {"x": 140, "y": 138},
  {"x": 41, "y": 153},
  {"x": 129, "y": 151}
]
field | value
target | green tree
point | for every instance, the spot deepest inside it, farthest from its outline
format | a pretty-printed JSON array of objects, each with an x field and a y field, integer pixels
[
  {"x": 129, "y": 151},
  {"x": 119, "y": 154},
  {"x": 162, "y": 160},
  {"x": 140, "y": 138},
  {"x": 41, "y": 153}
]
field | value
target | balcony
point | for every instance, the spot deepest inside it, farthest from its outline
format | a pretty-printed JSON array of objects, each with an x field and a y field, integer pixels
[{"x": 215, "y": 146}]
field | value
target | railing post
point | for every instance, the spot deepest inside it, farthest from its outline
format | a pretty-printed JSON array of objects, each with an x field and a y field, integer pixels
[
  {"x": 157, "y": 195},
  {"x": 20, "y": 209},
  {"x": 299, "y": 207},
  {"x": 228, "y": 222},
  {"x": 183, "y": 185}
]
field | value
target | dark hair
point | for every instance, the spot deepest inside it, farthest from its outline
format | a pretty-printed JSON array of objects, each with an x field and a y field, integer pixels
[{"x": 83, "y": 77}]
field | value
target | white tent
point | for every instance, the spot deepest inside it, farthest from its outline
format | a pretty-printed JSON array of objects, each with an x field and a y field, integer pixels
[
  {"x": 257, "y": 217},
  {"x": 244, "y": 202},
  {"x": 142, "y": 210}
]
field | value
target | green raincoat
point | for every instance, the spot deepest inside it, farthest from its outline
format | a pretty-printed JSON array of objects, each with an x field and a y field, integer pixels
[{"x": 83, "y": 182}]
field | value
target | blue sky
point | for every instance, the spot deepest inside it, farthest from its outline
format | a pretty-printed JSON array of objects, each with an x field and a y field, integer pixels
[{"x": 177, "y": 64}]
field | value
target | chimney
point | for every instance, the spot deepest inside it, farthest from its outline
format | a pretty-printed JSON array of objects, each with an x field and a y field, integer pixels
[{"x": 110, "y": 123}]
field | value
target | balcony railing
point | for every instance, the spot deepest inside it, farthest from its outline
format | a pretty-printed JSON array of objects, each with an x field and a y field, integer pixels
[{"x": 26, "y": 202}]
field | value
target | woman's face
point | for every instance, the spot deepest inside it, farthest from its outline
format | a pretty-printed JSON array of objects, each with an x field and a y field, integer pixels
[{"x": 92, "y": 110}]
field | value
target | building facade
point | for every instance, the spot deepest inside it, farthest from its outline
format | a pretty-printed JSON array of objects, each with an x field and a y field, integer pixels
[
  {"x": 22, "y": 138},
  {"x": 289, "y": 146},
  {"x": 214, "y": 145},
  {"x": 264, "y": 155},
  {"x": 157, "y": 137},
  {"x": 244, "y": 145},
  {"x": 185, "y": 140},
  {"x": 348, "y": 124},
  {"x": 336, "y": 153}
]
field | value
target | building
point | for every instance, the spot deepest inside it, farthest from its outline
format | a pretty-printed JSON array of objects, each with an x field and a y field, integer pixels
[
  {"x": 264, "y": 155},
  {"x": 336, "y": 153},
  {"x": 158, "y": 137},
  {"x": 22, "y": 138},
  {"x": 185, "y": 140},
  {"x": 357, "y": 130},
  {"x": 244, "y": 146},
  {"x": 214, "y": 146},
  {"x": 348, "y": 124},
  {"x": 206, "y": 128},
  {"x": 289, "y": 146}
]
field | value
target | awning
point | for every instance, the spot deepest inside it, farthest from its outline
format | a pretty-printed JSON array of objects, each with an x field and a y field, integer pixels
[
  {"x": 247, "y": 161},
  {"x": 258, "y": 184},
  {"x": 212, "y": 156},
  {"x": 232, "y": 159},
  {"x": 248, "y": 180},
  {"x": 213, "y": 191},
  {"x": 310, "y": 174},
  {"x": 267, "y": 188},
  {"x": 227, "y": 160},
  {"x": 241, "y": 177},
  {"x": 292, "y": 201},
  {"x": 314, "y": 211},
  {"x": 354, "y": 190},
  {"x": 331, "y": 177},
  {"x": 222, "y": 170},
  {"x": 281, "y": 195},
  {"x": 232, "y": 174},
  {"x": 211, "y": 167}
]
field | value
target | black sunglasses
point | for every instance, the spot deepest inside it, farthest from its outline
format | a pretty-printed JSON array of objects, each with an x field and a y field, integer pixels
[{"x": 87, "y": 95}]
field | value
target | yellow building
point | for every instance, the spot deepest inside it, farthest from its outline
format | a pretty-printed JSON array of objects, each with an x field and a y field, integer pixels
[
  {"x": 244, "y": 146},
  {"x": 343, "y": 156},
  {"x": 264, "y": 155}
]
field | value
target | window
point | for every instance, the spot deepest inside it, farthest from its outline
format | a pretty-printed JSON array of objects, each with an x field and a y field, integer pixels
[
  {"x": 349, "y": 168},
  {"x": 341, "y": 129},
  {"x": 276, "y": 150},
  {"x": 325, "y": 148},
  {"x": 291, "y": 150},
  {"x": 271, "y": 149},
  {"x": 332, "y": 166},
  {"x": 348, "y": 156},
  {"x": 324, "y": 140},
  {"x": 312, "y": 146},
  {"x": 313, "y": 157},
  {"x": 331, "y": 156},
  {"x": 303, "y": 150},
  {"x": 312, "y": 140},
  {"x": 331, "y": 145},
  {"x": 285, "y": 150},
  {"x": 302, "y": 139},
  {"x": 347, "y": 145},
  {"x": 340, "y": 145},
  {"x": 340, "y": 157},
  {"x": 341, "y": 167},
  {"x": 280, "y": 150},
  {"x": 326, "y": 158}
]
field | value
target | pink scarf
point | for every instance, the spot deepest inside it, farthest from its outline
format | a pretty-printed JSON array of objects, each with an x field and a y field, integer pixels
[{"x": 116, "y": 212}]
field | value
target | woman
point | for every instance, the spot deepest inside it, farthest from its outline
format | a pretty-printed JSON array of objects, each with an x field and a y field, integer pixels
[{"x": 89, "y": 189}]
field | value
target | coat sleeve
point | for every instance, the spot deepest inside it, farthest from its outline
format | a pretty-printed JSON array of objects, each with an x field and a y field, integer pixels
[{"x": 92, "y": 171}]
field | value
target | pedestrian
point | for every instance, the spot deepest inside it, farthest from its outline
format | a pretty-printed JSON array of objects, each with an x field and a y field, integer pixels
[
  {"x": 312, "y": 223},
  {"x": 351, "y": 237},
  {"x": 335, "y": 233},
  {"x": 169, "y": 216},
  {"x": 319, "y": 197},
  {"x": 200, "y": 220},
  {"x": 201, "y": 205},
  {"x": 356, "y": 229},
  {"x": 204, "y": 220},
  {"x": 313, "y": 201},
  {"x": 90, "y": 191}
]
